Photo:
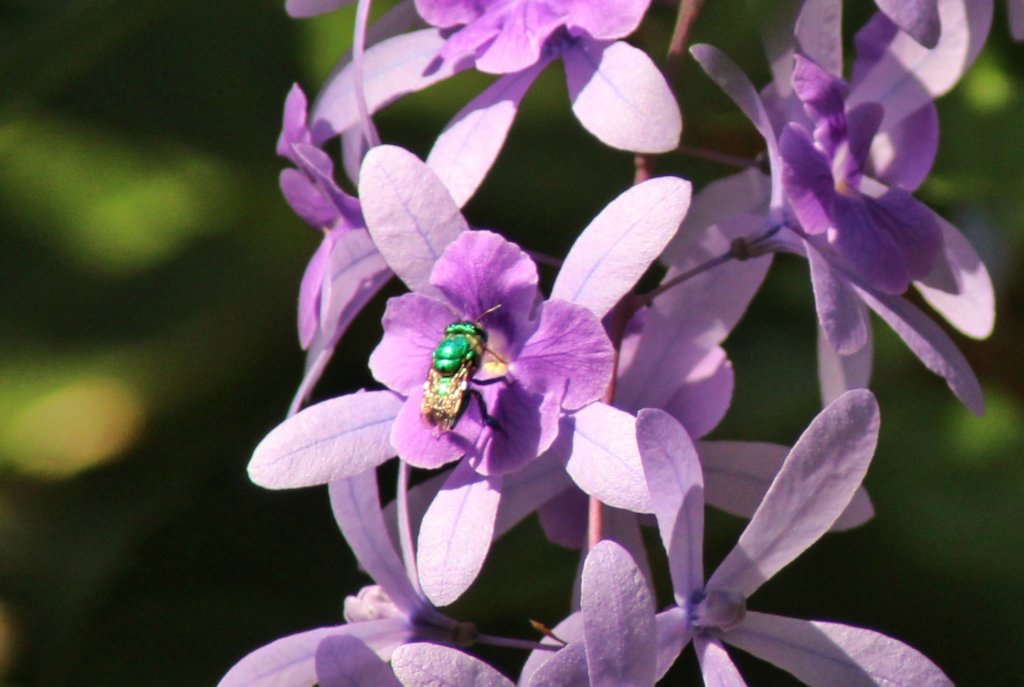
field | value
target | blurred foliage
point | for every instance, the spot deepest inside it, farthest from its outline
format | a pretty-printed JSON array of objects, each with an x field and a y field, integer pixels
[{"x": 149, "y": 276}]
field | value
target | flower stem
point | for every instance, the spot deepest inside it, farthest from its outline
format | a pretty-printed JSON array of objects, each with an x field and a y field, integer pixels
[
  {"x": 717, "y": 156},
  {"x": 527, "y": 644},
  {"x": 358, "y": 49},
  {"x": 404, "y": 526}
]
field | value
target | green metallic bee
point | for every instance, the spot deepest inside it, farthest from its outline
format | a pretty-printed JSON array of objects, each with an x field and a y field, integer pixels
[{"x": 456, "y": 359}]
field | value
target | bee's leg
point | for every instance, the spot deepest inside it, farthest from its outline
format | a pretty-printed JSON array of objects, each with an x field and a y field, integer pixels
[
  {"x": 492, "y": 380},
  {"x": 484, "y": 415}
]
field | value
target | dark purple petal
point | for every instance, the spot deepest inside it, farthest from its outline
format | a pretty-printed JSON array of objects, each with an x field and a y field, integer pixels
[
  {"x": 467, "y": 148},
  {"x": 445, "y": 13},
  {"x": 306, "y": 200},
  {"x": 318, "y": 166},
  {"x": 807, "y": 178},
  {"x": 564, "y": 518},
  {"x": 293, "y": 126},
  {"x": 716, "y": 667},
  {"x": 569, "y": 356},
  {"x": 838, "y": 373},
  {"x": 433, "y": 665},
  {"x": 356, "y": 508},
  {"x": 481, "y": 270},
  {"x": 413, "y": 326},
  {"x": 620, "y": 96},
  {"x": 605, "y": 460},
  {"x": 737, "y": 475},
  {"x": 618, "y": 245},
  {"x": 813, "y": 488},
  {"x": 344, "y": 661},
  {"x": 841, "y": 313},
  {"x": 528, "y": 422},
  {"x": 525, "y": 29},
  {"x": 864, "y": 242},
  {"x": 913, "y": 227},
  {"x": 331, "y": 440},
  {"x": 392, "y": 68},
  {"x": 618, "y": 619},
  {"x": 919, "y": 18},
  {"x": 824, "y": 98},
  {"x": 959, "y": 286},
  {"x": 677, "y": 495},
  {"x": 300, "y": 9},
  {"x": 931, "y": 345},
  {"x": 862, "y": 126},
  {"x": 456, "y": 534},
  {"x": 409, "y": 213},
  {"x": 423, "y": 446},
  {"x": 824, "y": 654},
  {"x": 1015, "y": 8}
]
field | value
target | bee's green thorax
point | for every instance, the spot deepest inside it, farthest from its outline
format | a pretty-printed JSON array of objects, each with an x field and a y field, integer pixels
[{"x": 463, "y": 344}]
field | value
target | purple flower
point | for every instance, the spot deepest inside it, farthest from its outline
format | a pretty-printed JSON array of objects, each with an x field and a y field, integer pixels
[
  {"x": 379, "y": 619},
  {"x": 553, "y": 356},
  {"x": 346, "y": 270},
  {"x": 624, "y": 643},
  {"x": 617, "y": 92},
  {"x": 888, "y": 240}
]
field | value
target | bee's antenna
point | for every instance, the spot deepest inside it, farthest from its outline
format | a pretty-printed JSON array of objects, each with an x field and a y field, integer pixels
[{"x": 487, "y": 312}]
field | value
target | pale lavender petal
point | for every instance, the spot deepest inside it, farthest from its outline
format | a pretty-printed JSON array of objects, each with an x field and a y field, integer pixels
[
  {"x": 310, "y": 8},
  {"x": 467, "y": 148},
  {"x": 731, "y": 79},
  {"x": 819, "y": 33},
  {"x": 919, "y": 18},
  {"x": 673, "y": 635},
  {"x": 356, "y": 508},
  {"x": 1015, "y": 8},
  {"x": 392, "y": 68},
  {"x": 618, "y": 245},
  {"x": 306, "y": 200},
  {"x": 837, "y": 373},
  {"x": 677, "y": 496},
  {"x": 701, "y": 237},
  {"x": 309, "y": 293},
  {"x": 445, "y": 13},
  {"x": 703, "y": 399},
  {"x": 903, "y": 154},
  {"x": 327, "y": 441},
  {"x": 569, "y": 355},
  {"x": 433, "y": 665},
  {"x": 841, "y": 314},
  {"x": 480, "y": 270},
  {"x": 618, "y": 619},
  {"x": 930, "y": 344},
  {"x": 813, "y": 488},
  {"x": 623, "y": 528},
  {"x": 539, "y": 481},
  {"x": 824, "y": 654},
  {"x": 409, "y": 213},
  {"x": 807, "y": 179},
  {"x": 423, "y": 446},
  {"x": 716, "y": 667},
  {"x": 909, "y": 75},
  {"x": 285, "y": 661},
  {"x": 959, "y": 286},
  {"x": 605, "y": 460},
  {"x": 607, "y": 19},
  {"x": 566, "y": 668},
  {"x": 413, "y": 326},
  {"x": 343, "y": 661},
  {"x": 737, "y": 475},
  {"x": 456, "y": 534},
  {"x": 620, "y": 97},
  {"x": 569, "y": 630},
  {"x": 521, "y": 42}
]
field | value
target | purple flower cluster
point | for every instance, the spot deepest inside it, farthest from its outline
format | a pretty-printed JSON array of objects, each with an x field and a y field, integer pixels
[{"x": 588, "y": 406}]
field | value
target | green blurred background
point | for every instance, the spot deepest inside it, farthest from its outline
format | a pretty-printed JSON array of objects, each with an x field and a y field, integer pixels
[{"x": 148, "y": 278}]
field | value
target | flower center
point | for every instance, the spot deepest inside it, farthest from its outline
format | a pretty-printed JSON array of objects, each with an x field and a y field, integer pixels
[{"x": 716, "y": 608}]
